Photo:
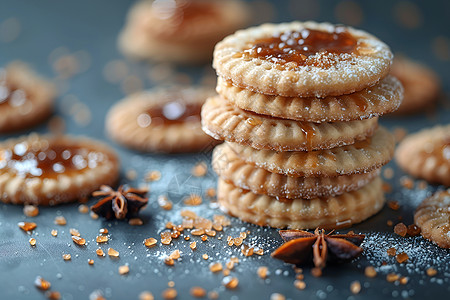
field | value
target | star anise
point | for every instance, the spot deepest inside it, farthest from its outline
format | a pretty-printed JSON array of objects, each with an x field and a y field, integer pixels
[
  {"x": 301, "y": 247},
  {"x": 125, "y": 202}
]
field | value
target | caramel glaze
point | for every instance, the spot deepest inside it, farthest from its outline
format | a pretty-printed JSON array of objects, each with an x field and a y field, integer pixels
[
  {"x": 175, "y": 113},
  {"x": 47, "y": 160},
  {"x": 297, "y": 48}
]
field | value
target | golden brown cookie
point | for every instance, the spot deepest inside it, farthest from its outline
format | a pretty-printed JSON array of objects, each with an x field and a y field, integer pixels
[
  {"x": 377, "y": 100},
  {"x": 433, "y": 218},
  {"x": 421, "y": 85},
  {"x": 164, "y": 120},
  {"x": 302, "y": 59},
  {"x": 328, "y": 213},
  {"x": 25, "y": 98},
  {"x": 361, "y": 157},
  {"x": 234, "y": 170},
  {"x": 223, "y": 121},
  {"x": 426, "y": 154},
  {"x": 50, "y": 170},
  {"x": 181, "y": 31}
]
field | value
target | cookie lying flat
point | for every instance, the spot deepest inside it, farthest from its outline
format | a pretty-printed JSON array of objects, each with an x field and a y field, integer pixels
[
  {"x": 179, "y": 31},
  {"x": 361, "y": 157},
  {"x": 302, "y": 59},
  {"x": 46, "y": 170},
  {"x": 377, "y": 100},
  {"x": 328, "y": 213},
  {"x": 247, "y": 176},
  {"x": 223, "y": 121},
  {"x": 160, "y": 121},
  {"x": 433, "y": 218},
  {"x": 421, "y": 85},
  {"x": 25, "y": 98},
  {"x": 426, "y": 154}
]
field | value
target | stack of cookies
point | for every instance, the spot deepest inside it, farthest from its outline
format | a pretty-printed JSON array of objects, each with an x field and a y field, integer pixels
[{"x": 298, "y": 107}]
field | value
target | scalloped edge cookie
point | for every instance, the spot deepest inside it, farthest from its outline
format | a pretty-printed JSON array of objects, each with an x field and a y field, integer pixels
[
  {"x": 433, "y": 218},
  {"x": 17, "y": 189},
  {"x": 247, "y": 176},
  {"x": 223, "y": 121},
  {"x": 40, "y": 97},
  {"x": 328, "y": 213},
  {"x": 361, "y": 157},
  {"x": 383, "y": 98},
  {"x": 426, "y": 154},
  {"x": 123, "y": 127},
  {"x": 146, "y": 36},
  {"x": 352, "y": 72},
  {"x": 421, "y": 85}
]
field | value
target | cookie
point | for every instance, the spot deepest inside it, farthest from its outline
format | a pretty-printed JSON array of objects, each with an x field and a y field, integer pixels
[
  {"x": 421, "y": 85},
  {"x": 374, "y": 101},
  {"x": 361, "y": 157},
  {"x": 164, "y": 120},
  {"x": 25, "y": 98},
  {"x": 50, "y": 170},
  {"x": 182, "y": 31},
  {"x": 232, "y": 169},
  {"x": 302, "y": 59},
  {"x": 426, "y": 154},
  {"x": 328, "y": 213},
  {"x": 433, "y": 218},
  {"x": 223, "y": 121}
]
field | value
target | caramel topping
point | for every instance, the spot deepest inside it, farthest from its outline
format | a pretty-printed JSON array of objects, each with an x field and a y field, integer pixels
[
  {"x": 9, "y": 93},
  {"x": 172, "y": 113},
  {"x": 298, "y": 48},
  {"x": 47, "y": 160}
]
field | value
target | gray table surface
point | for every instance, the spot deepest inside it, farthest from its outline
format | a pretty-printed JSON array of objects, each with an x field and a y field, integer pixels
[{"x": 92, "y": 27}]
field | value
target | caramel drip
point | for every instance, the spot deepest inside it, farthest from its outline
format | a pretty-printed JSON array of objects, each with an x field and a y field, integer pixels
[
  {"x": 363, "y": 144},
  {"x": 174, "y": 113},
  {"x": 361, "y": 103},
  {"x": 46, "y": 160},
  {"x": 310, "y": 133},
  {"x": 297, "y": 48}
]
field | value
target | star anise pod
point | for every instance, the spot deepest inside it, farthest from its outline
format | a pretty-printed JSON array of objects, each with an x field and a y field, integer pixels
[
  {"x": 301, "y": 247},
  {"x": 125, "y": 202}
]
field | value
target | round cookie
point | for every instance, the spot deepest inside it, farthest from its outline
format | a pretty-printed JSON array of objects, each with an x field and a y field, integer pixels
[
  {"x": 421, "y": 85},
  {"x": 182, "y": 31},
  {"x": 223, "y": 121},
  {"x": 426, "y": 154},
  {"x": 361, "y": 157},
  {"x": 232, "y": 169},
  {"x": 25, "y": 98},
  {"x": 433, "y": 218},
  {"x": 164, "y": 120},
  {"x": 302, "y": 59},
  {"x": 327, "y": 213},
  {"x": 377, "y": 100},
  {"x": 50, "y": 170}
]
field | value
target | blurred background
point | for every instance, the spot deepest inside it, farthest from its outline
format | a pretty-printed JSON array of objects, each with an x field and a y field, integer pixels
[{"x": 74, "y": 43}]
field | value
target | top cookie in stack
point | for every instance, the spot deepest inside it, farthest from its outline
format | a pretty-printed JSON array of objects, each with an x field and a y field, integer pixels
[{"x": 298, "y": 105}]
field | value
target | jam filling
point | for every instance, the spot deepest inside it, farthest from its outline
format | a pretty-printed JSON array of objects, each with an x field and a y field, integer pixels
[
  {"x": 299, "y": 48},
  {"x": 46, "y": 160},
  {"x": 174, "y": 112},
  {"x": 10, "y": 94}
]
